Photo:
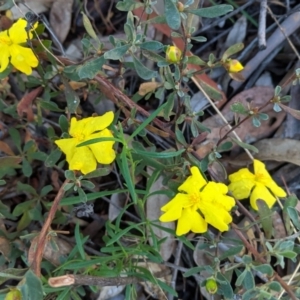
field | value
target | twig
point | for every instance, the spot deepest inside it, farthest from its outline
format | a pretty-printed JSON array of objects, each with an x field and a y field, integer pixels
[
  {"x": 36, "y": 264},
  {"x": 115, "y": 95},
  {"x": 262, "y": 44},
  {"x": 259, "y": 257}
]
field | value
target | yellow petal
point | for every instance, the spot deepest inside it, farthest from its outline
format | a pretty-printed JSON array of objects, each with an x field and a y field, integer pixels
[
  {"x": 241, "y": 174},
  {"x": 4, "y": 56},
  {"x": 241, "y": 189},
  {"x": 213, "y": 188},
  {"x": 194, "y": 182},
  {"x": 103, "y": 151},
  {"x": 23, "y": 59},
  {"x": 67, "y": 146},
  {"x": 171, "y": 215},
  {"x": 190, "y": 220},
  {"x": 234, "y": 66},
  {"x": 261, "y": 192},
  {"x": 83, "y": 160},
  {"x": 263, "y": 176},
  {"x": 87, "y": 126},
  {"x": 216, "y": 216},
  {"x": 180, "y": 200},
  {"x": 17, "y": 32}
]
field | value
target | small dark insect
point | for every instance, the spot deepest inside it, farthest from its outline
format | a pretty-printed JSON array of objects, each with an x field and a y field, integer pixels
[{"x": 84, "y": 210}]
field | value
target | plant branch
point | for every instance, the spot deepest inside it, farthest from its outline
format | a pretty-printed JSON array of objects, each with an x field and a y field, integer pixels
[
  {"x": 259, "y": 257},
  {"x": 42, "y": 239}
]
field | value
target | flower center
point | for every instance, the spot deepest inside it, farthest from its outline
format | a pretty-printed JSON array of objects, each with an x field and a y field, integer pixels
[
  {"x": 4, "y": 39},
  {"x": 194, "y": 198},
  {"x": 260, "y": 177},
  {"x": 79, "y": 137}
]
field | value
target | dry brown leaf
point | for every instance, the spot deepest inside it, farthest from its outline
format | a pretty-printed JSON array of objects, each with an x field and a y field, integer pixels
[
  {"x": 60, "y": 18},
  {"x": 117, "y": 202},
  {"x": 75, "y": 85},
  {"x": 38, "y": 7},
  {"x": 148, "y": 87},
  {"x": 153, "y": 212},
  {"x": 152, "y": 289},
  {"x": 247, "y": 132},
  {"x": 53, "y": 255},
  {"x": 283, "y": 150},
  {"x": 6, "y": 149},
  {"x": 25, "y": 105},
  {"x": 5, "y": 247},
  {"x": 279, "y": 228}
]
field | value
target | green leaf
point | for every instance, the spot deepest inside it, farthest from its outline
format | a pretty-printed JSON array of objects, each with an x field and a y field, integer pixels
[
  {"x": 98, "y": 173},
  {"x": 116, "y": 53},
  {"x": 169, "y": 106},
  {"x": 147, "y": 121},
  {"x": 265, "y": 216},
  {"x": 275, "y": 286},
  {"x": 245, "y": 145},
  {"x": 225, "y": 146},
  {"x": 200, "y": 39},
  {"x": 26, "y": 168},
  {"x": 264, "y": 268},
  {"x": 172, "y": 15},
  {"x": 248, "y": 282},
  {"x": 143, "y": 71},
  {"x": 151, "y": 45},
  {"x": 288, "y": 254},
  {"x": 293, "y": 214},
  {"x": 53, "y": 158},
  {"x": 211, "y": 12},
  {"x": 15, "y": 135},
  {"x": 88, "y": 27},
  {"x": 239, "y": 108},
  {"x": 225, "y": 286},
  {"x": 90, "y": 68},
  {"x": 71, "y": 96},
  {"x": 212, "y": 92},
  {"x": 26, "y": 188},
  {"x": 196, "y": 60},
  {"x": 31, "y": 288},
  {"x": 50, "y": 105},
  {"x": 232, "y": 251},
  {"x": 153, "y": 56},
  {"x": 127, "y": 5},
  {"x": 79, "y": 243},
  {"x": 63, "y": 123},
  {"x": 125, "y": 171},
  {"x": 164, "y": 154},
  {"x": 232, "y": 50}
]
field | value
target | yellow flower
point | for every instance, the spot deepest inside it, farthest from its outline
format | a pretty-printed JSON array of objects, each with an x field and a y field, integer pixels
[
  {"x": 173, "y": 54},
  {"x": 22, "y": 58},
  {"x": 258, "y": 185},
  {"x": 85, "y": 158},
  {"x": 234, "y": 66},
  {"x": 199, "y": 203}
]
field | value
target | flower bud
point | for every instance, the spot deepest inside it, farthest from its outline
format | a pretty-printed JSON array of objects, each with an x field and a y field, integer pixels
[
  {"x": 173, "y": 54},
  {"x": 13, "y": 294},
  {"x": 234, "y": 66},
  {"x": 180, "y": 6},
  {"x": 211, "y": 285}
]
